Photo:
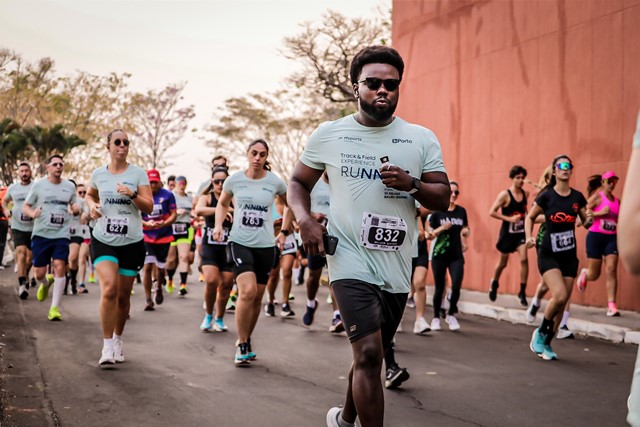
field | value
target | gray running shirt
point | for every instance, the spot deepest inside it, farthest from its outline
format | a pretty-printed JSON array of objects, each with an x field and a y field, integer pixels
[
  {"x": 252, "y": 217},
  {"x": 321, "y": 198},
  {"x": 120, "y": 223},
  {"x": 75, "y": 226},
  {"x": 184, "y": 202},
  {"x": 18, "y": 193},
  {"x": 375, "y": 224},
  {"x": 54, "y": 199}
]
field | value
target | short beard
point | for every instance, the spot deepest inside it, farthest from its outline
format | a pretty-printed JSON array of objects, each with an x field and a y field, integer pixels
[{"x": 376, "y": 114}]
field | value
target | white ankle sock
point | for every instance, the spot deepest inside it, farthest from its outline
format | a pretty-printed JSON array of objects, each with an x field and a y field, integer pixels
[
  {"x": 536, "y": 301},
  {"x": 336, "y": 313},
  {"x": 311, "y": 303},
  {"x": 565, "y": 319},
  {"x": 58, "y": 290},
  {"x": 108, "y": 342},
  {"x": 117, "y": 337}
]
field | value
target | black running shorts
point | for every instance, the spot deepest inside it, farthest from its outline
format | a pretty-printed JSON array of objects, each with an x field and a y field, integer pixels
[
  {"x": 215, "y": 255},
  {"x": 365, "y": 309},
  {"x": 130, "y": 258},
  {"x": 21, "y": 238},
  {"x": 258, "y": 260},
  {"x": 600, "y": 245},
  {"x": 568, "y": 265}
]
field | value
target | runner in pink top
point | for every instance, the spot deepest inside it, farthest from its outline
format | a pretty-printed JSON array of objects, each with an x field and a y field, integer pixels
[{"x": 602, "y": 236}]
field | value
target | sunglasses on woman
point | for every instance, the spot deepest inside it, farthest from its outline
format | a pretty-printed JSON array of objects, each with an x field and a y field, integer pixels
[
  {"x": 564, "y": 166},
  {"x": 119, "y": 141},
  {"x": 217, "y": 181}
]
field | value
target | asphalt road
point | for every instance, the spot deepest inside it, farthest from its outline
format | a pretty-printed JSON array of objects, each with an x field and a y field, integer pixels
[{"x": 175, "y": 375}]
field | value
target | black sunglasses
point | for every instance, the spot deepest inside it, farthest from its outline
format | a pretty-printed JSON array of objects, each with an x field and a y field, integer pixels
[
  {"x": 456, "y": 192},
  {"x": 117, "y": 142},
  {"x": 375, "y": 83},
  {"x": 217, "y": 181},
  {"x": 82, "y": 192}
]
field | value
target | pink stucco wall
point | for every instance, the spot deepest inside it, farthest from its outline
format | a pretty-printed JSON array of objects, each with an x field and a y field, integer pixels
[{"x": 519, "y": 82}]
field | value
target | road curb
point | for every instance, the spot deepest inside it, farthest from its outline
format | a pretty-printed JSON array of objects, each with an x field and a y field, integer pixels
[{"x": 617, "y": 334}]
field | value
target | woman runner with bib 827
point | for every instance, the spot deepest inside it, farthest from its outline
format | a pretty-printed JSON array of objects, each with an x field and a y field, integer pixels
[
  {"x": 117, "y": 193},
  {"x": 557, "y": 258}
]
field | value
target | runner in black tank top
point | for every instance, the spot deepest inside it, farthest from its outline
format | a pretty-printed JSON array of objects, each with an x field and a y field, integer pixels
[
  {"x": 512, "y": 237},
  {"x": 215, "y": 266}
]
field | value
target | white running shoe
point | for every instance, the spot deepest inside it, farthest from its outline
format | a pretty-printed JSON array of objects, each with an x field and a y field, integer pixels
[
  {"x": 107, "y": 360},
  {"x": 435, "y": 324},
  {"x": 118, "y": 355},
  {"x": 332, "y": 418},
  {"x": 421, "y": 326},
  {"x": 564, "y": 333},
  {"x": 452, "y": 322}
]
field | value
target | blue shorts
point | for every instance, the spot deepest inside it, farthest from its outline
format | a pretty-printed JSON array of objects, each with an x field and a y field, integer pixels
[
  {"x": 600, "y": 245},
  {"x": 44, "y": 250}
]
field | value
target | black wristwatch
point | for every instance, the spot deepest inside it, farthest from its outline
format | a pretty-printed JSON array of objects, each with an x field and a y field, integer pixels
[
  {"x": 134, "y": 195},
  {"x": 415, "y": 185},
  {"x": 285, "y": 232}
]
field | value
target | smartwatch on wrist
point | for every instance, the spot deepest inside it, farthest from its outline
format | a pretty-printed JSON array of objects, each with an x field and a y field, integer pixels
[
  {"x": 285, "y": 232},
  {"x": 415, "y": 186},
  {"x": 134, "y": 195}
]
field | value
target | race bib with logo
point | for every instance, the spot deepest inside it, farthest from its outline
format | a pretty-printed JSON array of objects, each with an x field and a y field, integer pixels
[
  {"x": 56, "y": 219},
  {"x": 383, "y": 233},
  {"x": 252, "y": 220},
  {"x": 563, "y": 241},
  {"x": 212, "y": 241},
  {"x": 157, "y": 210},
  {"x": 609, "y": 225},
  {"x": 115, "y": 226},
  {"x": 25, "y": 218},
  {"x": 180, "y": 228},
  {"x": 290, "y": 246},
  {"x": 516, "y": 228}
]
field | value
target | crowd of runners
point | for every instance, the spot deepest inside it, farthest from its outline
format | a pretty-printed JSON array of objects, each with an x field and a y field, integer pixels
[{"x": 387, "y": 209}]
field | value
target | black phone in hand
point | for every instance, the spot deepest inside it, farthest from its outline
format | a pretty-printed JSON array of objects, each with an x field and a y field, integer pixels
[{"x": 330, "y": 243}]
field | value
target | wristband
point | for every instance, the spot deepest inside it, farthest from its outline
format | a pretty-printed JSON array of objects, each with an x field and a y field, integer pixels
[
  {"x": 134, "y": 195},
  {"x": 285, "y": 232}
]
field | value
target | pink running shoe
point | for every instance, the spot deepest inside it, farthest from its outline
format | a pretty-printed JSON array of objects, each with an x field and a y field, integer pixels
[{"x": 582, "y": 280}]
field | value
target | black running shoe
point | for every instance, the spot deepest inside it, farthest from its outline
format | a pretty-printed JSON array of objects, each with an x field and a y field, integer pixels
[
  {"x": 286, "y": 311},
  {"x": 493, "y": 292},
  {"x": 269, "y": 310},
  {"x": 159, "y": 296},
  {"x": 523, "y": 299},
  {"x": 307, "y": 319},
  {"x": 336, "y": 325},
  {"x": 395, "y": 377},
  {"x": 74, "y": 288}
]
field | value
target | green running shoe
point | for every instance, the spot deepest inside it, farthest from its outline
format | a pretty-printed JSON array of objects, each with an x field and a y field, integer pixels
[
  {"x": 43, "y": 292},
  {"x": 54, "y": 314}
]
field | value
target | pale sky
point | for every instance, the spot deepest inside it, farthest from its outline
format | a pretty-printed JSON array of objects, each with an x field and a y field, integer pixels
[{"x": 222, "y": 48}]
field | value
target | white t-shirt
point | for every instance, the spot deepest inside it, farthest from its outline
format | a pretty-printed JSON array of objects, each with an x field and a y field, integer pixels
[
  {"x": 252, "y": 217},
  {"x": 375, "y": 224}
]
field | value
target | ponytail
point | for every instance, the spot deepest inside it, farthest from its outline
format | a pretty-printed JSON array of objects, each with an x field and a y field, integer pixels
[{"x": 593, "y": 184}]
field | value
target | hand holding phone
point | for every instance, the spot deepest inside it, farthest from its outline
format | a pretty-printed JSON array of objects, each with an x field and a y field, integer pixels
[{"x": 330, "y": 243}]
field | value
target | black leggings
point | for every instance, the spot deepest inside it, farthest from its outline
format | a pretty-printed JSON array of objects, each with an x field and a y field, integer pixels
[{"x": 439, "y": 266}]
